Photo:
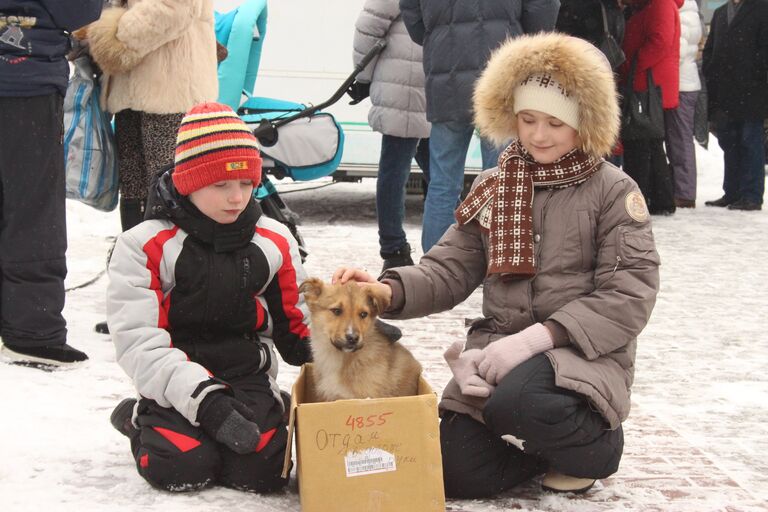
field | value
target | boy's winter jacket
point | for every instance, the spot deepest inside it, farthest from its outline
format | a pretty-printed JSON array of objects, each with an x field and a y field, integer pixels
[
  {"x": 458, "y": 36},
  {"x": 690, "y": 37},
  {"x": 193, "y": 304},
  {"x": 34, "y": 42},
  {"x": 653, "y": 36},
  {"x": 396, "y": 75},
  {"x": 597, "y": 276},
  {"x": 158, "y": 56},
  {"x": 736, "y": 62}
]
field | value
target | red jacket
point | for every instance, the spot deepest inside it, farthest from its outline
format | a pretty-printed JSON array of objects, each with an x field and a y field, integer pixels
[{"x": 653, "y": 35}]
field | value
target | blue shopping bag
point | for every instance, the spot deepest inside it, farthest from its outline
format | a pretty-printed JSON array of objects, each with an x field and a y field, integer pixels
[{"x": 89, "y": 142}]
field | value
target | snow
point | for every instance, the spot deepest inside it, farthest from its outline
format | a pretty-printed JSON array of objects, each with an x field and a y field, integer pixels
[{"x": 695, "y": 441}]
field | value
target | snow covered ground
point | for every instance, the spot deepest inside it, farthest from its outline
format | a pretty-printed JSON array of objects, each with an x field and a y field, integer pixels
[{"x": 696, "y": 440}]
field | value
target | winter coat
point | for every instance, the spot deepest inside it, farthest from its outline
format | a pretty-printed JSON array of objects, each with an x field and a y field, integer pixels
[
  {"x": 584, "y": 19},
  {"x": 597, "y": 276},
  {"x": 192, "y": 304},
  {"x": 458, "y": 37},
  {"x": 159, "y": 56},
  {"x": 653, "y": 36},
  {"x": 396, "y": 75},
  {"x": 736, "y": 62},
  {"x": 34, "y": 43},
  {"x": 690, "y": 36}
]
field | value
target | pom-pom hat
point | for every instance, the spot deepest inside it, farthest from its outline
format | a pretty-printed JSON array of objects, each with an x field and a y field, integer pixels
[{"x": 213, "y": 145}]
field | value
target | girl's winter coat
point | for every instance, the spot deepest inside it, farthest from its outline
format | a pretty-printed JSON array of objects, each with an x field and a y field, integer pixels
[
  {"x": 193, "y": 304},
  {"x": 396, "y": 75},
  {"x": 158, "y": 56},
  {"x": 653, "y": 36}
]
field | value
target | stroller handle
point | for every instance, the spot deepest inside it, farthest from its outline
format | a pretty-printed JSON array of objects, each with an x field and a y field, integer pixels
[{"x": 266, "y": 131}]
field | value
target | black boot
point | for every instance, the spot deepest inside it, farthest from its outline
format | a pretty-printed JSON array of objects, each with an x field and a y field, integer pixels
[
  {"x": 131, "y": 212},
  {"x": 45, "y": 358},
  {"x": 121, "y": 417},
  {"x": 399, "y": 258}
]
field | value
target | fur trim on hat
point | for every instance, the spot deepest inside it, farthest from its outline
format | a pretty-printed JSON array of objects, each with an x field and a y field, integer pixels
[
  {"x": 576, "y": 64},
  {"x": 111, "y": 54}
]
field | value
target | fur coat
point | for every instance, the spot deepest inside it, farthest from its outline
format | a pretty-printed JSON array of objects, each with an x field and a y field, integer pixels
[{"x": 157, "y": 56}]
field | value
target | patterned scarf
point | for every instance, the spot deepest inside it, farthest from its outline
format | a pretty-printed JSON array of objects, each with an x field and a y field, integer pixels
[{"x": 503, "y": 204}]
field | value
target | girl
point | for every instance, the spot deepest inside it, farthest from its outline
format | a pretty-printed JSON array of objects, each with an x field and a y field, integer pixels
[{"x": 562, "y": 243}]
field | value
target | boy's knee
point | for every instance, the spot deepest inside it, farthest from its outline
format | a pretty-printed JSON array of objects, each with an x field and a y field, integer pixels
[
  {"x": 178, "y": 472},
  {"x": 256, "y": 472}
]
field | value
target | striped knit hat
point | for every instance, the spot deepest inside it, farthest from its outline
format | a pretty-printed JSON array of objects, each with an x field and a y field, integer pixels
[{"x": 213, "y": 145}]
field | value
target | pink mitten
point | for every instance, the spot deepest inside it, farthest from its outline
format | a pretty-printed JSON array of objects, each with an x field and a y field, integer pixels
[
  {"x": 506, "y": 353},
  {"x": 464, "y": 368}
]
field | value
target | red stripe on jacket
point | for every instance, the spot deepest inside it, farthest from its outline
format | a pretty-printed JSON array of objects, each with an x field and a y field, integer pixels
[
  {"x": 286, "y": 278},
  {"x": 154, "y": 251}
]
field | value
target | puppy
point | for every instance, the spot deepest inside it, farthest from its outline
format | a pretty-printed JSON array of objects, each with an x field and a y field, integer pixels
[{"x": 352, "y": 359}]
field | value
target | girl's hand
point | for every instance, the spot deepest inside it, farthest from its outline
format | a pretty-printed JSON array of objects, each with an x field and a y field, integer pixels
[{"x": 344, "y": 274}]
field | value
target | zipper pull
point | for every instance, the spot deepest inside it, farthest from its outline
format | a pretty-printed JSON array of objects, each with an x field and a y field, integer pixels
[{"x": 618, "y": 262}]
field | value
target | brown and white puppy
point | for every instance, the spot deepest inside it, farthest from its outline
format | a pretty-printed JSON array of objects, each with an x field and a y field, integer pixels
[{"x": 352, "y": 359}]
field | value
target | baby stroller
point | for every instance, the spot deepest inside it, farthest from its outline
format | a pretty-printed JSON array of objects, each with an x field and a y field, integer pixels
[{"x": 296, "y": 140}]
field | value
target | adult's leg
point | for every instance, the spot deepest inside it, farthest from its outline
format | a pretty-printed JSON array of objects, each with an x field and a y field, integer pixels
[
  {"x": 729, "y": 139},
  {"x": 478, "y": 463},
  {"x": 33, "y": 236},
  {"x": 131, "y": 167},
  {"x": 447, "y": 155},
  {"x": 752, "y": 182},
  {"x": 681, "y": 150},
  {"x": 637, "y": 164},
  {"x": 394, "y": 168},
  {"x": 552, "y": 423},
  {"x": 662, "y": 199},
  {"x": 489, "y": 154},
  {"x": 158, "y": 141},
  {"x": 422, "y": 159},
  {"x": 170, "y": 453}
]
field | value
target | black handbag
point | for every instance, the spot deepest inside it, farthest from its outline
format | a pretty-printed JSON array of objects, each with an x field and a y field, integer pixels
[
  {"x": 609, "y": 46},
  {"x": 642, "y": 114}
]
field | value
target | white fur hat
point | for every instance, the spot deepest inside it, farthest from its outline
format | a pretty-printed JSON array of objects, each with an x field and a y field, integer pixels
[
  {"x": 544, "y": 93},
  {"x": 581, "y": 70}
]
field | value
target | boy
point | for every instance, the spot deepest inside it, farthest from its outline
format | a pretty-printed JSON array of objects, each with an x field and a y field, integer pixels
[
  {"x": 561, "y": 241},
  {"x": 199, "y": 296}
]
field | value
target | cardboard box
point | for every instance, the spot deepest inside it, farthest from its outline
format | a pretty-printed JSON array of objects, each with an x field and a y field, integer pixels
[{"x": 366, "y": 455}]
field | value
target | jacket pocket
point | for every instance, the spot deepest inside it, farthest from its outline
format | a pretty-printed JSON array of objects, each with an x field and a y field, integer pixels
[
  {"x": 578, "y": 250},
  {"x": 636, "y": 247}
]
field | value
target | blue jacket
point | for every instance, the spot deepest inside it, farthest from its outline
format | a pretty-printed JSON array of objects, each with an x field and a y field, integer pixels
[
  {"x": 34, "y": 41},
  {"x": 458, "y": 37}
]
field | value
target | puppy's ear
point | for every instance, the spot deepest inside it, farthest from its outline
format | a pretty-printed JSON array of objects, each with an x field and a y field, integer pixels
[
  {"x": 311, "y": 288},
  {"x": 378, "y": 300}
]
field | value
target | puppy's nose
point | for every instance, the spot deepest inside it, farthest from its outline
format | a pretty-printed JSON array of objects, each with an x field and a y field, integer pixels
[{"x": 352, "y": 338}]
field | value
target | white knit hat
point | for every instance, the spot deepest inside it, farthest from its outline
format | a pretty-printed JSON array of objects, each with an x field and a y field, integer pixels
[{"x": 543, "y": 93}]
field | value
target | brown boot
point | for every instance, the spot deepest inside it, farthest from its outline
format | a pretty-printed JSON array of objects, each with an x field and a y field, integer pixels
[{"x": 558, "y": 482}]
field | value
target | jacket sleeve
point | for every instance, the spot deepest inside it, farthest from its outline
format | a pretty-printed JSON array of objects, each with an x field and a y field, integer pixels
[
  {"x": 414, "y": 22},
  {"x": 659, "y": 35},
  {"x": 121, "y": 38},
  {"x": 286, "y": 306},
  {"x": 445, "y": 276},
  {"x": 372, "y": 26},
  {"x": 70, "y": 15},
  {"x": 539, "y": 15},
  {"x": 137, "y": 321},
  {"x": 626, "y": 278}
]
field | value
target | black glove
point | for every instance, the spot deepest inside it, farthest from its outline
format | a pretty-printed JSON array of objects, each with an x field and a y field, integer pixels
[
  {"x": 358, "y": 91},
  {"x": 230, "y": 422}
]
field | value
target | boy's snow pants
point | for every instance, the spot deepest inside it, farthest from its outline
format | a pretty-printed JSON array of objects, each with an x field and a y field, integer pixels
[
  {"x": 557, "y": 428},
  {"x": 174, "y": 455}
]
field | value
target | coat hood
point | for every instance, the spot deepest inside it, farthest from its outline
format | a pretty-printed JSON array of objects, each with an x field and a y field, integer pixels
[{"x": 580, "y": 67}]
